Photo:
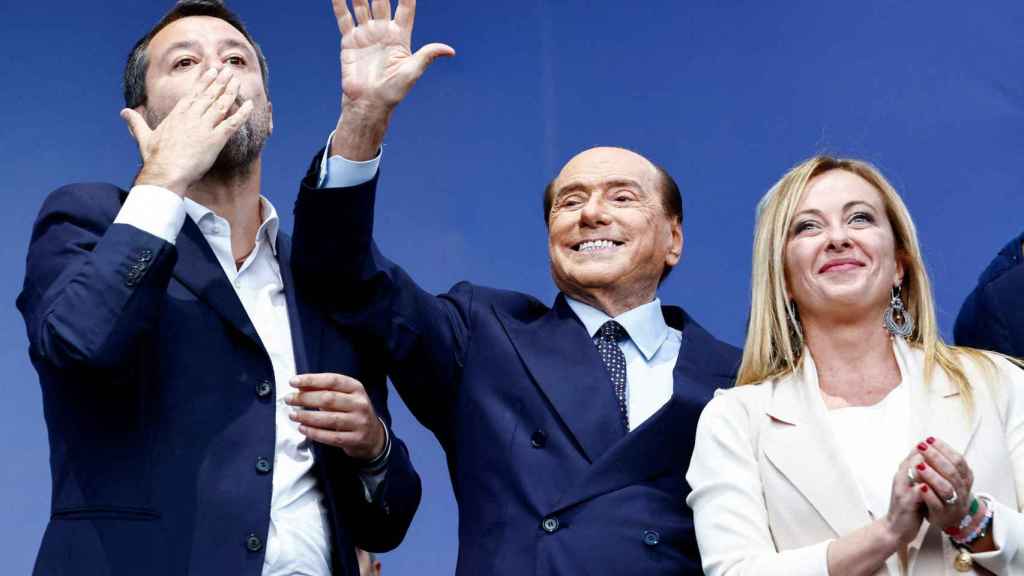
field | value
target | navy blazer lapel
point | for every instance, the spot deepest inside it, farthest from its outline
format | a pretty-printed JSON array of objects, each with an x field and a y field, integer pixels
[
  {"x": 199, "y": 271},
  {"x": 565, "y": 364},
  {"x": 304, "y": 325},
  {"x": 665, "y": 440}
]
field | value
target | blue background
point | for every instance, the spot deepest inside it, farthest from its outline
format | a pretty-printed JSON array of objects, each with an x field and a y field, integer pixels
[{"x": 727, "y": 95}]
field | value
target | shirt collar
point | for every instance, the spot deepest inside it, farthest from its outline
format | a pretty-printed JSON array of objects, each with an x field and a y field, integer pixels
[
  {"x": 268, "y": 228},
  {"x": 645, "y": 324}
]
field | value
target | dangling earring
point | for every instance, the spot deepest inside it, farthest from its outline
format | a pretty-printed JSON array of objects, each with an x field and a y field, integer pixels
[{"x": 898, "y": 320}]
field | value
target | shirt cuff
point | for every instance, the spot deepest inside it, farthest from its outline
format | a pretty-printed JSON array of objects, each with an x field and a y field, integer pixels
[
  {"x": 813, "y": 559},
  {"x": 155, "y": 210},
  {"x": 373, "y": 474},
  {"x": 340, "y": 172}
]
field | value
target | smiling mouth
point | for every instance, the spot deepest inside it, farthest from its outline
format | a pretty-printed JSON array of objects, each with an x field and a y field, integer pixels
[
  {"x": 596, "y": 245},
  {"x": 840, "y": 266}
]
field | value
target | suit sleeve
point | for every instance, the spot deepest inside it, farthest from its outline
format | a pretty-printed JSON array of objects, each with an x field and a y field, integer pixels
[
  {"x": 378, "y": 524},
  {"x": 1008, "y": 517},
  {"x": 92, "y": 289},
  {"x": 992, "y": 317},
  {"x": 729, "y": 512},
  {"x": 338, "y": 266}
]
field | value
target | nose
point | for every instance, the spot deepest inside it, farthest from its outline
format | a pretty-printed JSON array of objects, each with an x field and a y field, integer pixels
[
  {"x": 595, "y": 212},
  {"x": 216, "y": 66},
  {"x": 838, "y": 238}
]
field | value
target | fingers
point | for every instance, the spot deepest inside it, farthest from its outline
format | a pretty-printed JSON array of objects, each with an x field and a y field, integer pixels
[
  {"x": 328, "y": 381},
  {"x": 327, "y": 400},
  {"x": 936, "y": 508},
  {"x": 332, "y": 421},
  {"x": 232, "y": 123},
  {"x": 222, "y": 105},
  {"x": 939, "y": 485},
  {"x": 426, "y": 55},
  {"x": 329, "y": 437},
  {"x": 405, "y": 15},
  {"x": 362, "y": 11},
  {"x": 955, "y": 459},
  {"x": 360, "y": 434},
  {"x": 214, "y": 90},
  {"x": 330, "y": 392},
  {"x": 204, "y": 82},
  {"x": 137, "y": 125},
  {"x": 382, "y": 9},
  {"x": 345, "y": 22}
]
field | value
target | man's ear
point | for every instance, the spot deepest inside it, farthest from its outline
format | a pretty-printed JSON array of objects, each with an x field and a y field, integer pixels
[
  {"x": 675, "y": 252},
  {"x": 270, "y": 113}
]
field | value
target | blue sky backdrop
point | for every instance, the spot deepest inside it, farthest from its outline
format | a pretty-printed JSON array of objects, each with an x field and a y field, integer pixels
[{"x": 727, "y": 95}]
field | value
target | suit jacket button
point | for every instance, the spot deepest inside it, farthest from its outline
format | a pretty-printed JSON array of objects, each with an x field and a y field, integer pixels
[
  {"x": 145, "y": 255},
  {"x": 550, "y": 525},
  {"x": 253, "y": 543},
  {"x": 263, "y": 465},
  {"x": 539, "y": 439},
  {"x": 263, "y": 389},
  {"x": 651, "y": 537}
]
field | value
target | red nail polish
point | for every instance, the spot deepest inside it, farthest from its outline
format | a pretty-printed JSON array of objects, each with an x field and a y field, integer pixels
[
  {"x": 924, "y": 487},
  {"x": 922, "y": 446},
  {"x": 930, "y": 440},
  {"x": 920, "y": 466}
]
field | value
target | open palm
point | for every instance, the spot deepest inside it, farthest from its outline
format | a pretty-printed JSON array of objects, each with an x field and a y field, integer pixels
[{"x": 378, "y": 67}]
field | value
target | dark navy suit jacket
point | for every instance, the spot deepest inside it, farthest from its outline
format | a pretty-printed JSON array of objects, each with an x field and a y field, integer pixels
[
  {"x": 992, "y": 317},
  {"x": 159, "y": 399},
  {"x": 516, "y": 393}
]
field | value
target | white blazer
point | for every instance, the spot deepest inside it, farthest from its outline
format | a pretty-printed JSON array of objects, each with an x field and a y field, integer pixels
[{"x": 771, "y": 490}]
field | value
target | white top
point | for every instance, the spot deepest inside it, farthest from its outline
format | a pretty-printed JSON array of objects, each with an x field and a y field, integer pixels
[{"x": 874, "y": 443}]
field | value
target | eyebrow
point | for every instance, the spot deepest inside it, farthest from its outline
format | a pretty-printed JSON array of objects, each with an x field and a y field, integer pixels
[
  {"x": 221, "y": 46},
  {"x": 617, "y": 182},
  {"x": 846, "y": 207}
]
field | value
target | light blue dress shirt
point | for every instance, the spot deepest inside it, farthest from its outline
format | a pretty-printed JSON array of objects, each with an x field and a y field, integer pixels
[{"x": 651, "y": 352}]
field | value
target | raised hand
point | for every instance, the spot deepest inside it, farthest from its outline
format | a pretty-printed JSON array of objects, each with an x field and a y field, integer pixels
[
  {"x": 338, "y": 413},
  {"x": 378, "y": 68},
  {"x": 183, "y": 147}
]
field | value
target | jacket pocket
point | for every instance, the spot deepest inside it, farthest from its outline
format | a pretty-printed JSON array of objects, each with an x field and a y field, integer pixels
[{"x": 89, "y": 512}]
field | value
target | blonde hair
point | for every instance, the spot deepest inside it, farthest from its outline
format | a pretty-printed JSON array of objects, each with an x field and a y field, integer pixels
[{"x": 775, "y": 341}]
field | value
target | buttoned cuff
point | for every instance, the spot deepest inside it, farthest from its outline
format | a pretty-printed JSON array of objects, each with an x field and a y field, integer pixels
[
  {"x": 155, "y": 210},
  {"x": 1004, "y": 521},
  {"x": 373, "y": 473},
  {"x": 340, "y": 172}
]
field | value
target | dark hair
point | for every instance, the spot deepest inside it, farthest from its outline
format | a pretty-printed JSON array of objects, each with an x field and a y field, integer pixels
[
  {"x": 135, "y": 69},
  {"x": 671, "y": 202}
]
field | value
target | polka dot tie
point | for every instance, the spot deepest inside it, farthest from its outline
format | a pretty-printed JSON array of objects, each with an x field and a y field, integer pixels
[{"x": 607, "y": 342}]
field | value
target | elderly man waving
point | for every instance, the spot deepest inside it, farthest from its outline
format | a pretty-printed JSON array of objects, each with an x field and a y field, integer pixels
[{"x": 567, "y": 427}]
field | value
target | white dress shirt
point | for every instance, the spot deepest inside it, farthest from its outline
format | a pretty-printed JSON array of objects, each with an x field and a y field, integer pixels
[{"x": 298, "y": 543}]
